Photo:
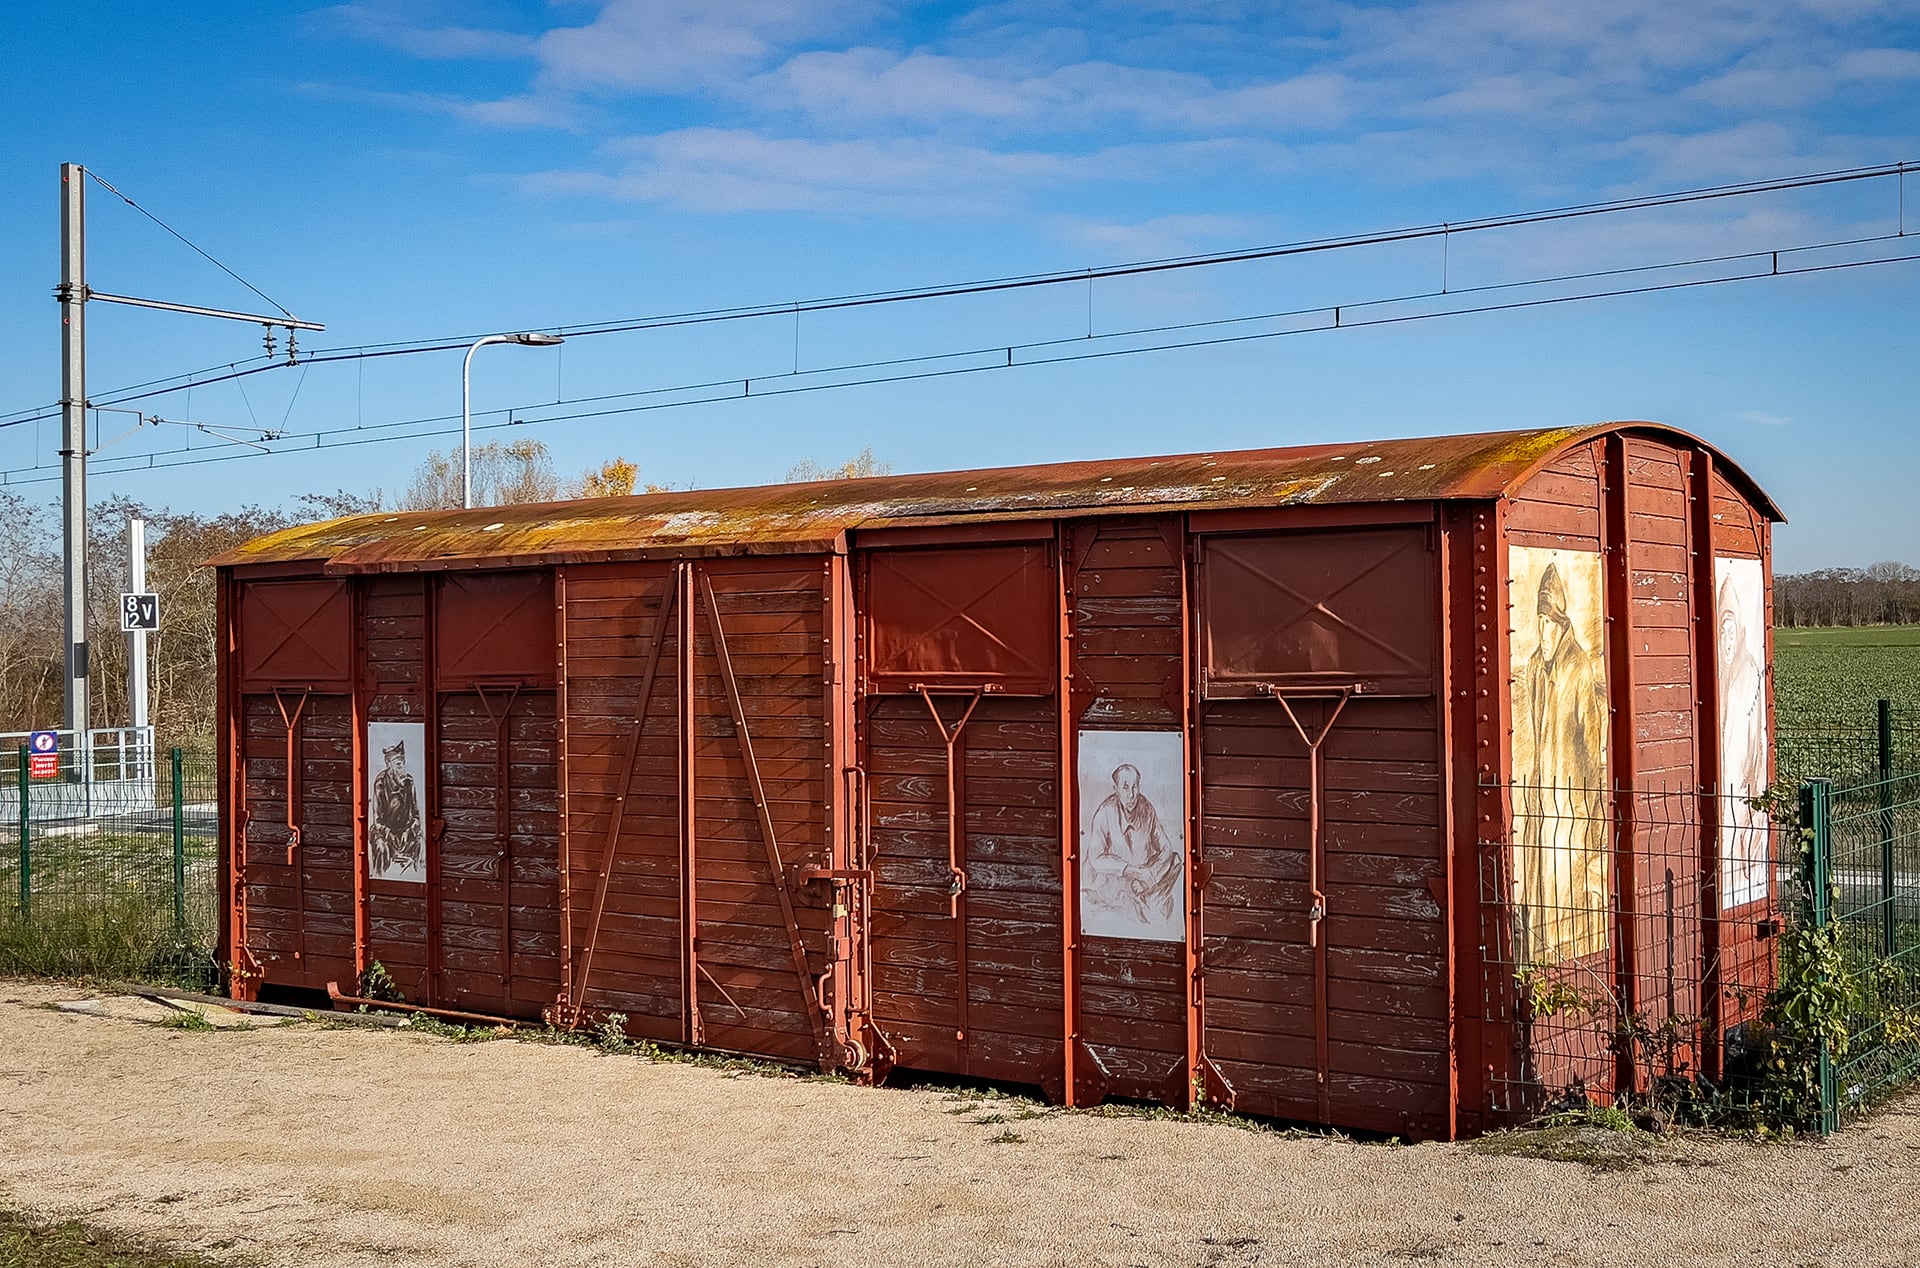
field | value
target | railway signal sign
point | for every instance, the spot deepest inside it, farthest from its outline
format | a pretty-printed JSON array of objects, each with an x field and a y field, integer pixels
[
  {"x": 43, "y": 755},
  {"x": 139, "y": 612}
]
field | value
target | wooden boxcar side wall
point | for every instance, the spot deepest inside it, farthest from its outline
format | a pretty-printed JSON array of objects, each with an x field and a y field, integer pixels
[
  {"x": 1126, "y": 582},
  {"x": 1658, "y": 515}
]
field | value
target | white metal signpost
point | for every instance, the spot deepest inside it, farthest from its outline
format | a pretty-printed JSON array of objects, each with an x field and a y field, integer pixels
[{"x": 139, "y": 612}]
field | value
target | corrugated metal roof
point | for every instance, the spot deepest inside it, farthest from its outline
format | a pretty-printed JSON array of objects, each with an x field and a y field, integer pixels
[{"x": 789, "y": 518}]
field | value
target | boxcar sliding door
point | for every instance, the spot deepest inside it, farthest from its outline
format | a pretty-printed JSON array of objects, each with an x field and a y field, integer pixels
[
  {"x": 1324, "y": 952},
  {"x": 960, "y": 744}
]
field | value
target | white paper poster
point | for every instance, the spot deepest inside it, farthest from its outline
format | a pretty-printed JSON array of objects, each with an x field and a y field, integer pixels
[
  {"x": 396, "y": 812},
  {"x": 1740, "y": 609},
  {"x": 1133, "y": 835}
]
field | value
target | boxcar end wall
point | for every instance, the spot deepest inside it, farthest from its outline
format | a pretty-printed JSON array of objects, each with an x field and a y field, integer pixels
[{"x": 1293, "y": 780}]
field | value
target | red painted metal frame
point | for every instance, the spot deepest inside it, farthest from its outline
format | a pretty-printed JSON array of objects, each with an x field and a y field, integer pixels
[
  {"x": 564, "y": 846},
  {"x": 357, "y": 708},
  {"x": 1493, "y": 817},
  {"x": 1066, "y": 567},
  {"x": 1316, "y": 868},
  {"x": 294, "y": 789},
  {"x": 1697, "y": 475},
  {"x": 1453, "y": 696},
  {"x": 436, "y": 824},
  {"x": 809, "y": 994},
  {"x": 1616, "y": 527},
  {"x": 954, "y": 737},
  {"x": 1187, "y": 685},
  {"x": 685, "y": 730},
  {"x": 847, "y": 1008}
]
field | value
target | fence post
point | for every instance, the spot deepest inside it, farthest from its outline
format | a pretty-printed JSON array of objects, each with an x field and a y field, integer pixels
[
  {"x": 26, "y": 840},
  {"x": 1816, "y": 820},
  {"x": 1888, "y": 926},
  {"x": 179, "y": 850}
]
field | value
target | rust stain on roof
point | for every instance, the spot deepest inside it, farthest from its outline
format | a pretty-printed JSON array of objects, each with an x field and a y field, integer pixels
[{"x": 814, "y": 516}]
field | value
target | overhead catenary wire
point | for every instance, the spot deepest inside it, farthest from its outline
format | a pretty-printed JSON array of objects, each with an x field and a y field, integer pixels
[
  {"x": 1445, "y": 231},
  {"x": 189, "y": 243},
  {"x": 1074, "y": 349}
]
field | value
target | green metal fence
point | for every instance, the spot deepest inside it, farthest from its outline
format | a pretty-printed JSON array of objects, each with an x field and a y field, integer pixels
[
  {"x": 113, "y": 879},
  {"x": 1871, "y": 746},
  {"x": 1862, "y": 862}
]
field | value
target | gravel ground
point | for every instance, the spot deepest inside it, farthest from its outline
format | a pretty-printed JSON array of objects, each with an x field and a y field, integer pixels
[{"x": 321, "y": 1145}]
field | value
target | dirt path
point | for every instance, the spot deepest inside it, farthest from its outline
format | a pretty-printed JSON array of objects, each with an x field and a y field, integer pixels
[{"x": 320, "y": 1146}]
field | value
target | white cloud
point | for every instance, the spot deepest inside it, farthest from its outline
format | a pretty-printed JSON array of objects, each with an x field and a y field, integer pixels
[
  {"x": 730, "y": 170},
  {"x": 406, "y": 28},
  {"x": 1163, "y": 237},
  {"x": 668, "y": 45},
  {"x": 533, "y": 111}
]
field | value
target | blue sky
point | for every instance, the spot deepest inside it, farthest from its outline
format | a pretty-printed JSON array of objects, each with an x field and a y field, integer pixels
[{"x": 418, "y": 170}]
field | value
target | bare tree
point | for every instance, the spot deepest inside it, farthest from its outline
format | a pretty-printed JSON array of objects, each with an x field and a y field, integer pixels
[
  {"x": 505, "y": 473},
  {"x": 861, "y": 464}
]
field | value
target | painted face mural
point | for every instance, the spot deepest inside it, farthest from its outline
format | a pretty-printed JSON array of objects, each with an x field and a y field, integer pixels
[
  {"x": 1740, "y": 609},
  {"x": 1560, "y": 863},
  {"x": 1132, "y": 835},
  {"x": 396, "y": 822}
]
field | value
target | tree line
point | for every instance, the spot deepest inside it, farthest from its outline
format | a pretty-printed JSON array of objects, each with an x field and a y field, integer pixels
[
  {"x": 181, "y": 652},
  {"x": 1882, "y": 594}
]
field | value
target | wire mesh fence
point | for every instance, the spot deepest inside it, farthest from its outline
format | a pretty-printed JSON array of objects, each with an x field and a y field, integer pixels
[
  {"x": 1866, "y": 746},
  {"x": 1629, "y": 946},
  {"x": 111, "y": 877},
  {"x": 1864, "y": 854}
]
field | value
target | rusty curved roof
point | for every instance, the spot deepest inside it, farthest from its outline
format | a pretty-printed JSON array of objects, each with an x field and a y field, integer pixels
[{"x": 791, "y": 518}]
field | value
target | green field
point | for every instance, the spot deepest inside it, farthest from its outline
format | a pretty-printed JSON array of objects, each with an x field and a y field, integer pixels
[
  {"x": 1826, "y": 684},
  {"x": 1834, "y": 676}
]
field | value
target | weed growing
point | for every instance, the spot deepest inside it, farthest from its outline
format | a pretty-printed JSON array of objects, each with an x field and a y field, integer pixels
[{"x": 26, "y": 1242}]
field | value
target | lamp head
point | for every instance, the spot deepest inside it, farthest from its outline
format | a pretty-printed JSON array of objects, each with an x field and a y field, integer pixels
[{"x": 537, "y": 340}]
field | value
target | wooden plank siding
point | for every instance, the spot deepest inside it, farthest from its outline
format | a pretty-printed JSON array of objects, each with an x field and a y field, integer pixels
[
  {"x": 1667, "y": 836},
  {"x": 773, "y": 617},
  {"x": 299, "y": 909},
  {"x": 1563, "y": 507},
  {"x": 394, "y": 683},
  {"x": 632, "y": 963},
  {"x": 1388, "y": 996},
  {"x": 1011, "y": 935},
  {"x": 499, "y": 852},
  {"x": 1129, "y": 673}
]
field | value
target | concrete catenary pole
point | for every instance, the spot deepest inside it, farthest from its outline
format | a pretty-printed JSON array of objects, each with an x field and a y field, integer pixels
[
  {"x": 137, "y": 649},
  {"x": 73, "y": 452}
]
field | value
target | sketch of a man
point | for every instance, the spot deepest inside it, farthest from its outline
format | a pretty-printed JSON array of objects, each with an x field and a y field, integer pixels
[
  {"x": 1743, "y": 751},
  {"x": 398, "y": 839},
  {"x": 1134, "y": 868},
  {"x": 1562, "y": 828}
]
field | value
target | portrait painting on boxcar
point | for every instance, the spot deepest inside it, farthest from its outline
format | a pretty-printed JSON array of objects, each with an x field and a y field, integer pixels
[
  {"x": 1740, "y": 609},
  {"x": 1561, "y": 863},
  {"x": 396, "y": 818},
  {"x": 1133, "y": 835}
]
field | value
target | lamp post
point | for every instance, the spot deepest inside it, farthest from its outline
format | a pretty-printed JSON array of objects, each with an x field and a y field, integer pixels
[{"x": 466, "y": 401}]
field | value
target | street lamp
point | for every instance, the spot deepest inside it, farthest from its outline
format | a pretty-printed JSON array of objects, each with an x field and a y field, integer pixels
[{"x": 466, "y": 401}]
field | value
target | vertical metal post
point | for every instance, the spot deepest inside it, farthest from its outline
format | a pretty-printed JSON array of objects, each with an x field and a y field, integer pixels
[
  {"x": 137, "y": 655},
  {"x": 179, "y": 848},
  {"x": 26, "y": 840},
  {"x": 73, "y": 452},
  {"x": 1816, "y": 819},
  {"x": 1889, "y": 934}
]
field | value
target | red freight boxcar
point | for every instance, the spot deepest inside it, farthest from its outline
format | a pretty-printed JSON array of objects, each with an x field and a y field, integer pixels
[{"x": 1384, "y": 785}]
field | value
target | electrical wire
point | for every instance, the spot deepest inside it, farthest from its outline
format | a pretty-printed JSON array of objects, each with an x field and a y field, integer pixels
[
  {"x": 1444, "y": 231},
  {"x": 1337, "y": 313},
  {"x": 101, "y": 181}
]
